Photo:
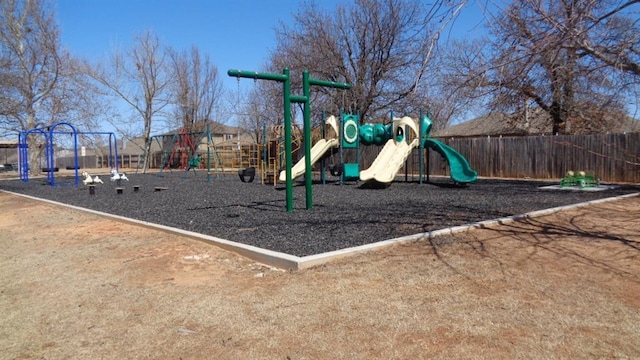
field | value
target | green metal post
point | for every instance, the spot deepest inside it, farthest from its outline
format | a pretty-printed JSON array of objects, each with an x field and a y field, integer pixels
[
  {"x": 331, "y": 84},
  {"x": 288, "y": 99},
  {"x": 306, "y": 90},
  {"x": 421, "y": 144},
  {"x": 306, "y": 118},
  {"x": 306, "y": 87},
  {"x": 340, "y": 149},
  {"x": 263, "y": 76},
  {"x": 307, "y": 143},
  {"x": 358, "y": 148},
  {"x": 286, "y": 89},
  {"x": 209, "y": 143},
  {"x": 407, "y": 162},
  {"x": 323, "y": 162},
  {"x": 265, "y": 151}
]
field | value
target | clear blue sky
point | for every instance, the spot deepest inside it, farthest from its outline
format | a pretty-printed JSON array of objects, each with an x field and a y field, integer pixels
[{"x": 236, "y": 34}]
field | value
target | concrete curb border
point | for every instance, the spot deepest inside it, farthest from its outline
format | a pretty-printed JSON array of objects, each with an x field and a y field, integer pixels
[
  {"x": 318, "y": 259},
  {"x": 292, "y": 262}
]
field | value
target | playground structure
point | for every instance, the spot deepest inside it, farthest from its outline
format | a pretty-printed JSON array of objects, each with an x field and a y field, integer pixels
[
  {"x": 317, "y": 151},
  {"x": 200, "y": 150},
  {"x": 398, "y": 138},
  {"x": 272, "y": 151},
  {"x": 580, "y": 180},
  {"x": 394, "y": 153},
  {"x": 183, "y": 153},
  {"x": 186, "y": 150},
  {"x": 49, "y": 133},
  {"x": 288, "y": 99},
  {"x": 91, "y": 180},
  {"x": 458, "y": 164},
  {"x": 116, "y": 176}
]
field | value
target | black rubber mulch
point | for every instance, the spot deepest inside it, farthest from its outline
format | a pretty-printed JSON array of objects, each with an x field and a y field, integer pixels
[{"x": 342, "y": 215}]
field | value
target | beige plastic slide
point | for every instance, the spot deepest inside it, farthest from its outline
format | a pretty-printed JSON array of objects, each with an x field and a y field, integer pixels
[
  {"x": 321, "y": 147},
  {"x": 393, "y": 155}
]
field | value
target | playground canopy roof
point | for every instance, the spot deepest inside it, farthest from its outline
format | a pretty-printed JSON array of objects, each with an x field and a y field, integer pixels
[{"x": 537, "y": 123}]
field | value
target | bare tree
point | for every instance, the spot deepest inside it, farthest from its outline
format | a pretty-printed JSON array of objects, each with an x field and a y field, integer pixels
[
  {"x": 257, "y": 108},
  {"x": 381, "y": 47},
  {"x": 140, "y": 79},
  {"x": 537, "y": 55},
  {"x": 196, "y": 90},
  {"x": 31, "y": 61},
  {"x": 40, "y": 83},
  {"x": 609, "y": 33}
]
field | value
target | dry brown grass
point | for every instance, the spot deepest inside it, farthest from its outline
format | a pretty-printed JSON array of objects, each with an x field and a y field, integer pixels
[{"x": 75, "y": 285}]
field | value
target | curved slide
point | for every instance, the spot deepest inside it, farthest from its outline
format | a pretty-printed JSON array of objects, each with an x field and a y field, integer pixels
[
  {"x": 319, "y": 149},
  {"x": 388, "y": 162},
  {"x": 460, "y": 170}
]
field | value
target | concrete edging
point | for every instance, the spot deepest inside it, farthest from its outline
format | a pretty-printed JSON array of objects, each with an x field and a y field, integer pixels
[
  {"x": 319, "y": 259},
  {"x": 292, "y": 262}
]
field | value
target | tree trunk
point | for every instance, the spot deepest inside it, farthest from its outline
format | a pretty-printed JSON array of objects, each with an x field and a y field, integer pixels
[
  {"x": 558, "y": 118},
  {"x": 35, "y": 151},
  {"x": 146, "y": 153},
  {"x": 35, "y": 148}
]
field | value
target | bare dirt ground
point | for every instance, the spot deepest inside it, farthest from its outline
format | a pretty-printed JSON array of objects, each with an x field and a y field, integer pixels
[{"x": 78, "y": 286}]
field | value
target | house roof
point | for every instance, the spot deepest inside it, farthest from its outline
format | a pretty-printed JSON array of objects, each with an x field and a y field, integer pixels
[
  {"x": 9, "y": 144},
  {"x": 136, "y": 145},
  {"x": 215, "y": 127},
  {"x": 536, "y": 123}
]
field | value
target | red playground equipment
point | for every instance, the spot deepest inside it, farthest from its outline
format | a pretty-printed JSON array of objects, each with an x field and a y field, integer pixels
[{"x": 183, "y": 152}]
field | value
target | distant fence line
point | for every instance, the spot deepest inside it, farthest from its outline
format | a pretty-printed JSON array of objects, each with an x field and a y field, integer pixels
[
  {"x": 611, "y": 157},
  {"x": 99, "y": 161}
]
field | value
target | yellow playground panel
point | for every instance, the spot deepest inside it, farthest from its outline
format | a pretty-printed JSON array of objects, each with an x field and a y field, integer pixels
[
  {"x": 266, "y": 156},
  {"x": 272, "y": 156},
  {"x": 234, "y": 154}
]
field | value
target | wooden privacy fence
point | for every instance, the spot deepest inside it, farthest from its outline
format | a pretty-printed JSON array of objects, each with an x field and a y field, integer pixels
[{"x": 611, "y": 157}]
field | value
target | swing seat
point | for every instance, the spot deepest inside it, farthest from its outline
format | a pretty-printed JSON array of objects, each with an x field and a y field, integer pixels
[
  {"x": 194, "y": 162},
  {"x": 249, "y": 173},
  {"x": 336, "y": 170}
]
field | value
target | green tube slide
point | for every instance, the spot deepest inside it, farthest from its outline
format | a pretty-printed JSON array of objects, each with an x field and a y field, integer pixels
[{"x": 460, "y": 169}]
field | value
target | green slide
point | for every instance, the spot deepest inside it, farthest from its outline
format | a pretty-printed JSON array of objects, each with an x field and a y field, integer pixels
[{"x": 461, "y": 171}]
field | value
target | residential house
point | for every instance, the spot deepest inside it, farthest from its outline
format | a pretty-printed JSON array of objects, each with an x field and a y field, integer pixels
[
  {"x": 8, "y": 154},
  {"x": 534, "y": 122},
  {"x": 224, "y": 139}
]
